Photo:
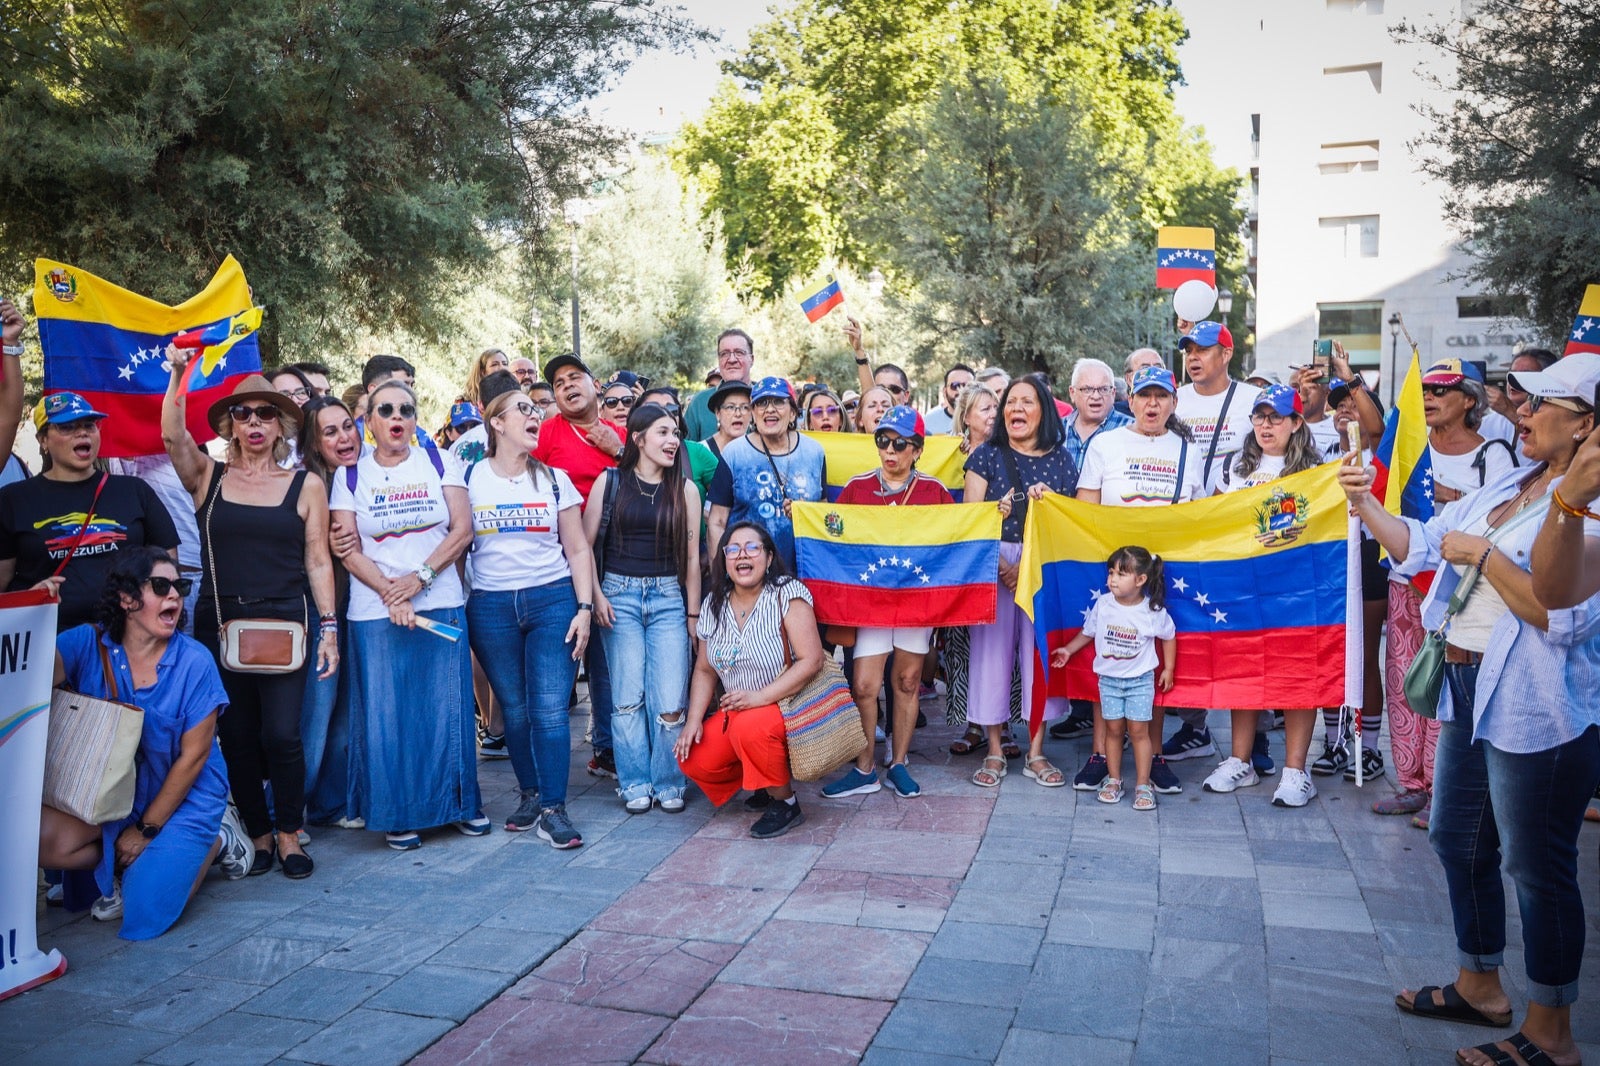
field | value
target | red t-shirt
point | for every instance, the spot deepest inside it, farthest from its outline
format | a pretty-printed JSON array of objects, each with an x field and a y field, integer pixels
[
  {"x": 563, "y": 447},
  {"x": 867, "y": 489}
]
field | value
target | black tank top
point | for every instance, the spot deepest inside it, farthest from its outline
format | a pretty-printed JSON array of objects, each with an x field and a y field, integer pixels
[
  {"x": 260, "y": 551},
  {"x": 632, "y": 546}
]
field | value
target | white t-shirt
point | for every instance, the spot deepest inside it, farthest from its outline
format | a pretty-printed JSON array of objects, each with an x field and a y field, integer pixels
[
  {"x": 472, "y": 445},
  {"x": 1459, "y": 472},
  {"x": 1133, "y": 470},
  {"x": 1497, "y": 426},
  {"x": 1325, "y": 435},
  {"x": 515, "y": 542},
  {"x": 1125, "y": 637},
  {"x": 402, "y": 517},
  {"x": 1204, "y": 413},
  {"x": 1269, "y": 469}
]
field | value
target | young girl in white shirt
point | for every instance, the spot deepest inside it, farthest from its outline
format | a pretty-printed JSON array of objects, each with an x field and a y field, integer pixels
[{"x": 1124, "y": 626}]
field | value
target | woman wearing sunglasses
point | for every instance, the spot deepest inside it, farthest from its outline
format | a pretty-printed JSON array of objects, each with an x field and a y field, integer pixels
[
  {"x": 412, "y": 732},
  {"x": 824, "y": 413},
  {"x": 616, "y": 401},
  {"x": 263, "y": 539},
  {"x": 896, "y": 483}
]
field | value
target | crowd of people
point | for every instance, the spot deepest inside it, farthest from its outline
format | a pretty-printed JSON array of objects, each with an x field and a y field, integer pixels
[{"x": 558, "y": 524}]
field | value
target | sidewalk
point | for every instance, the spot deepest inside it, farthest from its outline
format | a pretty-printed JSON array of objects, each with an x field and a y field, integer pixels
[{"x": 1020, "y": 924}]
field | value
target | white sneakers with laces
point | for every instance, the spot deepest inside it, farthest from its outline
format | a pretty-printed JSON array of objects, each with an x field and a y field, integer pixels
[
  {"x": 1232, "y": 774},
  {"x": 1295, "y": 790}
]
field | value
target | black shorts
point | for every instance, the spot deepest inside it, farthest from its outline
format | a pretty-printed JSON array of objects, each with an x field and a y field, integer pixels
[{"x": 1374, "y": 575}]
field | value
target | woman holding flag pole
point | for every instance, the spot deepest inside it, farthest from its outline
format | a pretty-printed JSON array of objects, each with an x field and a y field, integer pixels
[{"x": 1518, "y": 753}]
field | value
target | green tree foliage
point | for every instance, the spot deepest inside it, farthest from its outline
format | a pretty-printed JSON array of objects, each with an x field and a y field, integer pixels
[
  {"x": 1518, "y": 144},
  {"x": 803, "y": 147},
  {"x": 360, "y": 158}
]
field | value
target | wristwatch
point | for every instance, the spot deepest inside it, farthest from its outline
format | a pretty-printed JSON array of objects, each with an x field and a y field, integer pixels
[
  {"x": 11, "y": 349},
  {"x": 147, "y": 830}
]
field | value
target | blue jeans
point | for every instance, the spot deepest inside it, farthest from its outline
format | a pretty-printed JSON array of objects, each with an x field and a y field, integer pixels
[
  {"x": 1132, "y": 698},
  {"x": 648, "y": 649},
  {"x": 594, "y": 661},
  {"x": 325, "y": 731},
  {"x": 519, "y": 638},
  {"x": 1492, "y": 807}
]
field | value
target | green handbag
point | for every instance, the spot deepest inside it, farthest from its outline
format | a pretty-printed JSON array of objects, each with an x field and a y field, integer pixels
[{"x": 1425, "y": 675}]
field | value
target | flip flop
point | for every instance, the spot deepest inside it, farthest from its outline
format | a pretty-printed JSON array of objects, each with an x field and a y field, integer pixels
[{"x": 1453, "y": 1009}]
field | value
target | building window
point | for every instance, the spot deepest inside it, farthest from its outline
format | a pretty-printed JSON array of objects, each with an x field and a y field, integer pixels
[
  {"x": 1357, "y": 80},
  {"x": 1491, "y": 307},
  {"x": 1355, "y": 7},
  {"x": 1349, "y": 237},
  {"x": 1357, "y": 326},
  {"x": 1348, "y": 157}
]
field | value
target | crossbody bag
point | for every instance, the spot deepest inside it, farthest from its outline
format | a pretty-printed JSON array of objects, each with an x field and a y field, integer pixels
[{"x": 252, "y": 645}]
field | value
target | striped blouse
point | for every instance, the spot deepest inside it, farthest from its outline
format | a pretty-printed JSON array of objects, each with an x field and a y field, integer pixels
[{"x": 750, "y": 658}]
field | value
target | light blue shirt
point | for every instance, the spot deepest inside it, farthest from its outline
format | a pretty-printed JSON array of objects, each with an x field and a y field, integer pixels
[
  {"x": 1077, "y": 446},
  {"x": 1536, "y": 690}
]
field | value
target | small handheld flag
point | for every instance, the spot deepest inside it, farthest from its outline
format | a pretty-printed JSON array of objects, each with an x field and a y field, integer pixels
[
  {"x": 1186, "y": 253},
  {"x": 818, "y": 301},
  {"x": 213, "y": 342},
  {"x": 1585, "y": 335}
]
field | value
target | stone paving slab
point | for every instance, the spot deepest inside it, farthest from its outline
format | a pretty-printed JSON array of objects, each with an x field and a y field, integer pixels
[{"x": 1013, "y": 925}]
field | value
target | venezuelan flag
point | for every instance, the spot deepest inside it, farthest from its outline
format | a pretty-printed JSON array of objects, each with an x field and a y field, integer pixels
[
  {"x": 1185, "y": 253},
  {"x": 899, "y": 566},
  {"x": 1585, "y": 336},
  {"x": 852, "y": 454},
  {"x": 817, "y": 301},
  {"x": 108, "y": 344},
  {"x": 1402, "y": 457},
  {"x": 1256, "y": 583}
]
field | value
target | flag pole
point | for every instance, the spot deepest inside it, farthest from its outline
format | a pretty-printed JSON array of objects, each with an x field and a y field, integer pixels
[{"x": 1355, "y": 672}]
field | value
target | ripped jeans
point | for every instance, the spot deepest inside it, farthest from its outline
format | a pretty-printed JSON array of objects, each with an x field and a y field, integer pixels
[{"x": 647, "y": 648}]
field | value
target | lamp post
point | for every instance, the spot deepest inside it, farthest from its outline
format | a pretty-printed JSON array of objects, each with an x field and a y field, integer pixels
[
  {"x": 1394, "y": 354},
  {"x": 1224, "y": 303},
  {"x": 574, "y": 210}
]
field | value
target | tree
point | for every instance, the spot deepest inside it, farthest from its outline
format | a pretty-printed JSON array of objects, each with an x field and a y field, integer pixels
[
  {"x": 1518, "y": 145},
  {"x": 359, "y": 158}
]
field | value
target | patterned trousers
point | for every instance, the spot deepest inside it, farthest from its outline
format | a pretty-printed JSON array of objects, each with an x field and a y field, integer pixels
[{"x": 1412, "y": 737}]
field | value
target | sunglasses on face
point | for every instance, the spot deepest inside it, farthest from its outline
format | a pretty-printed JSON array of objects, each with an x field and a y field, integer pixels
[
  {"x": 896, "y": 390},
  {"x": 614, "y": 402},
  {"x": 887, "y": 443},
  {"x": 830, "y": 410},
  {"x": 163, "y": 585},
  {"x": 1577, "y": 407},
  {"x": 850, "y": 406},
  {"x": 1438, "y": 391},
  {"x": 243, "y": 412},
  {"x": 733, "y": 551},
  {"x": 387, "y": 410}
]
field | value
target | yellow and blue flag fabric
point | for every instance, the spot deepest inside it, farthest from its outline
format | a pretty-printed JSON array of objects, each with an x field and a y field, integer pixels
[
  {"x": 850, "y": 455},
  {"x": 899, "y": 566},
  {"x": 1255, "y": 582},
  {"x": 108, "y": 345},
  {"x": 821, "y": 298},
  {"x": 1185, "y": 253},
  {"x": 1585, "y": 335}
]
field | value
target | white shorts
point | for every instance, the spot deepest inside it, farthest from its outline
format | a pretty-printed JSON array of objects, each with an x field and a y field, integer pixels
[{"x": 874, "y": 641}]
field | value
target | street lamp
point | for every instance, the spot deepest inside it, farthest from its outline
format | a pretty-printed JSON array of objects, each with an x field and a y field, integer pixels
[
  {"x": 1224, "y": 302},
  {"x": 574, "y": 210},
  {"x": 535, "y": 321}
]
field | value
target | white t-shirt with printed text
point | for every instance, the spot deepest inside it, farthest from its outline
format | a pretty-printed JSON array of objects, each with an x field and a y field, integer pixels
[
  {"x": 1125, "y": 637},
  {"x": 515, "y": 540},
  {"x": 1133, "y": 470},
  {"x": 1203, "y": 414},
  {"x": 1269, "y": 469}
]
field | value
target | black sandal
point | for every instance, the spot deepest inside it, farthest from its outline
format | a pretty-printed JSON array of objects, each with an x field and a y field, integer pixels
[
  {"x": 1530, "y": 1053},
  {"x": 1453, "y": 1009},
  {"x": 968, "y": 742}
]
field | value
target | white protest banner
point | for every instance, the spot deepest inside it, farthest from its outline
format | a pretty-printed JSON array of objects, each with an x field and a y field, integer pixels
[{"x": 27, "y": 666}]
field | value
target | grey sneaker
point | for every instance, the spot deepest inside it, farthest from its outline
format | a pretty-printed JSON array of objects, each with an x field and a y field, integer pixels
[
  {"x": 555, "y": 828},
  {"x": 238, "y": 852},
  {"x": 527, "y": 813},
  {"x": 108, "y": 908}
]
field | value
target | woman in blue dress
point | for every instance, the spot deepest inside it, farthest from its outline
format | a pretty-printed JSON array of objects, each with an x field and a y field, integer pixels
[{"x": 180, "y": 820}]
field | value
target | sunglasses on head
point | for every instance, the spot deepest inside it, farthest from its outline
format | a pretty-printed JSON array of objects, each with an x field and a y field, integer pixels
[
  {"x": 886, "y": 442},
  {"x": 617, "y": 401},
  {"x": 387, "y": 410},
  {"x": 243, "y": 412},
  {"x": 163, "y": 585}
]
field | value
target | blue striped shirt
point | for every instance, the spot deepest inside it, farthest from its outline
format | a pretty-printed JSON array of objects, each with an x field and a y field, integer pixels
[
  {"x": 1077, "y": 445},
  {"x": 1536, "y": 689}
]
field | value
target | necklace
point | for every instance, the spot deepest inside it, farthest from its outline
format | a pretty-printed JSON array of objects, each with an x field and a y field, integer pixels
[{"x": 640, "y": 483}]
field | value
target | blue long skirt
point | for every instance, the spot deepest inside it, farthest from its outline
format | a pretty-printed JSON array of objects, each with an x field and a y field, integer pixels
[
  {"x": 325, "y": 733},
  {"x": 413, "y": 756}
]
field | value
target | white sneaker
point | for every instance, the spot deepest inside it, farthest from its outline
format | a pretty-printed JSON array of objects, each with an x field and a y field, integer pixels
[
  {"x": 1295, "y": 790},
  {"x": 108, "y": 908},
  {"x": 238, "y": 851},
  {"x": 350, "y": 823},
  {"x": 1232, "y": 774}
]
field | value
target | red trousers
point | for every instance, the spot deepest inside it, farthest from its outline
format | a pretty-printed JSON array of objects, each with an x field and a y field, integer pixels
[{"x": 739, "y": 749}]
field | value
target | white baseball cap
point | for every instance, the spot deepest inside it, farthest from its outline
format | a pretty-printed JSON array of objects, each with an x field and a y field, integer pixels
[{"x": 1574, "y": 377}]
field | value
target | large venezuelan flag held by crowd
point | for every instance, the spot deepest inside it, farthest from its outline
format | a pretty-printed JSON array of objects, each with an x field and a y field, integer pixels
[
  {"x": 851, "y": 454},
  {"x": 108, "y": 344},
  {"x": 1256, "y": 584},
  {"x": 899, "y": 566}
]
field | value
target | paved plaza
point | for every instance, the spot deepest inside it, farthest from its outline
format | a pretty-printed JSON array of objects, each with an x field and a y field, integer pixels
[{"x": 1018, "y": 925}]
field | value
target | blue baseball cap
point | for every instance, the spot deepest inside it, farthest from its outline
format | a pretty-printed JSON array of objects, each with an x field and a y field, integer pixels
[
  {"x": 1282, "y": 399},
  {"x": 1154, "y": 377},
  {"x": 771, "y": 388},
  {"x": 904, "y": 421},
  {"x": 59, "y": 408},
  {"x": 1206, "y": 335},
  {"x": 464, "y": 414}
]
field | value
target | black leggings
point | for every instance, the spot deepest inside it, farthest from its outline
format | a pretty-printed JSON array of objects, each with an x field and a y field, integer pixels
[{"x": 260, "y": 730}]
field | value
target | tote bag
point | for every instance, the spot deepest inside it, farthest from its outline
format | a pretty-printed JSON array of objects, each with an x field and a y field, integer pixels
[{"x": 90, "y": 752}]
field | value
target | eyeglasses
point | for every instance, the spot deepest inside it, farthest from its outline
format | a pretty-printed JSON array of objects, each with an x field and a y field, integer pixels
[
  {"x": 548, "y": 401},
  {"x": 1436, "y": 391},
  {"x": 163, "y": 585},
  {"x": 1094, "y": 390},
  {"x": 734, "y": 353},
  {"x": 1266, "y": 418},
  {"x": 824, "y": 409},
  {"x": 524, "y": 408},
  {"x": 387, "y": 410},
  {"x": 733, "y": 551},
  {"x": 82, "y": 425},
  {"x": 896, "y": 390},
  {"x": 243, "y": 412},
  {"x": 617, "y": 401},
  {"x": 1577, "y": 407},
  {"x": 770, "y": 401},
  {"x": 740, "y": 409},
  {"x": 300, "y": 395},
  {"x": 898, "y": 444}
]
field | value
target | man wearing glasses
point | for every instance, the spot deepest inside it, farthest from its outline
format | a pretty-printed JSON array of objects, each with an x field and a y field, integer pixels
[
  {"x": 736, "y": 361},
  {"x": 524, "y": 370},
  {"x": 942, "y": 418}
]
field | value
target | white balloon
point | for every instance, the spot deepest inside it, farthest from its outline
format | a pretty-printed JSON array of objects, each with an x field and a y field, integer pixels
[{"x": 1193, "y": 300}]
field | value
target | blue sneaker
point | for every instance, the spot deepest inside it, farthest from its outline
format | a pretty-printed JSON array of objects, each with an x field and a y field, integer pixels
[
  {"x": 1260, "y": 759},
  {"x": 901, "y": 781},
  {"x": 1188, "y": 743},
  {"x": 474, "y": 827},
  {"x": 1093, "y": 773},
  {"x": 1162, "y": 779},
  {"x": 853, "y": 783}
]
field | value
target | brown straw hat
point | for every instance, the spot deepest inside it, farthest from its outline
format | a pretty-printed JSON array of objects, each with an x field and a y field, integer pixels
[{"x": 253, "y": 388}]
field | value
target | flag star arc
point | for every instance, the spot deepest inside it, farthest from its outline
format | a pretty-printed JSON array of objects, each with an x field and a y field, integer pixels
[{"x": 1202, "y": 599}]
